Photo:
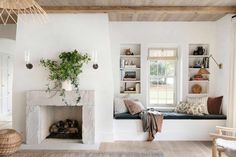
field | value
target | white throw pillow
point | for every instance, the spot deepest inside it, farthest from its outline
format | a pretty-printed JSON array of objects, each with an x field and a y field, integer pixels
[
  {"x": 202, "y": 101},
  {"x": 120, "y": 106},
  {"x": 197, "y": 109}
]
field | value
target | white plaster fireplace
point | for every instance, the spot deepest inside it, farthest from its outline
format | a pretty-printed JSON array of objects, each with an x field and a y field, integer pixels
[{"x": 41, "y": 106}]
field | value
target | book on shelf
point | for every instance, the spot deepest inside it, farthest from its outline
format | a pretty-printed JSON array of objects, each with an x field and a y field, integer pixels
[
  {"x": 130, "y": 92},
  {"x": 130, "y": 66}
]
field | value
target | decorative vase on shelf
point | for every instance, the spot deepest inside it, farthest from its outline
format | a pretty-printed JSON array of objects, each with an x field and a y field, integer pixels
[{"x": 66, "y": 85}]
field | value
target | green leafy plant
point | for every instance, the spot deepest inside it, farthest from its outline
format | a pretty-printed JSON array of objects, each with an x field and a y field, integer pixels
[{"x": 68, "y": 67}]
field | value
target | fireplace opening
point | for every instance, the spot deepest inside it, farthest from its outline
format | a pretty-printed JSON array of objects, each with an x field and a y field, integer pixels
[
  {"x": 65, "y": 129},
  {"x": 61, "y": 122}
]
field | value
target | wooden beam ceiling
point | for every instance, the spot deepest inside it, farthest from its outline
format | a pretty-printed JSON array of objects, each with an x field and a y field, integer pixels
[{"x": 142, "y": 9}]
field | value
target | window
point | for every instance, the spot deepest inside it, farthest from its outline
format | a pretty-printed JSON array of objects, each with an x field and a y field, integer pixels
[{"x": 162, "y": 77}]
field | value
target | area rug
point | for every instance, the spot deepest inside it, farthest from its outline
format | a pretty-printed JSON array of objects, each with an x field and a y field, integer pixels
[{"x": 54, "y": 153}]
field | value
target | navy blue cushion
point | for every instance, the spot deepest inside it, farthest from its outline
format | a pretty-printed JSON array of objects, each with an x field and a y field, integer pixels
[
  {"x": 126, "y": 115},
  {"x": 172, "y": 115}
]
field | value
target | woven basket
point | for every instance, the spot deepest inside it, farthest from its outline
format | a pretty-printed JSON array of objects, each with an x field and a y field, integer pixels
[{"x": 10, "y": 141}]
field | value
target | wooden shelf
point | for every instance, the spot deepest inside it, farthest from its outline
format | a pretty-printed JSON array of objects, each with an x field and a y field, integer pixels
[
  {"x": 130, "y": 68},
  {"x": 130, "y": 93},
  {"x": 130, "y": 56},
  {"x": 130, "y": 81},
  {"x": 199, "y": 81},
  {"x": 198, "y": 56}
]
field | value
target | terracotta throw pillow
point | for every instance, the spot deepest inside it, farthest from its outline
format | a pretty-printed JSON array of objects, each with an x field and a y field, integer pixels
[
  {"x": 214, "y": 105},
  {"x": 133, "y": 106}
]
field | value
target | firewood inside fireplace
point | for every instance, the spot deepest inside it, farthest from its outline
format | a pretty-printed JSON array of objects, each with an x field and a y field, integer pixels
[{"x": 65, "y": 129}]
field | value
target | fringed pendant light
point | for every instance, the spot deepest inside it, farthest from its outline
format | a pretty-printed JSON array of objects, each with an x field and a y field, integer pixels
[{"x": 10, "y": 9}]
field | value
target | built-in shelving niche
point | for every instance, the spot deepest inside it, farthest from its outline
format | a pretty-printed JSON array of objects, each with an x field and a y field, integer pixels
[
  {"x": 196, "y": 62},
  {"x": 130, "y": 69}
]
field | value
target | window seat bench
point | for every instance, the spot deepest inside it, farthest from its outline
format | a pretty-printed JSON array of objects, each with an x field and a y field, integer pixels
[
  {"x": 172, "y": 115},
  {"x": 177, "y": 127}
]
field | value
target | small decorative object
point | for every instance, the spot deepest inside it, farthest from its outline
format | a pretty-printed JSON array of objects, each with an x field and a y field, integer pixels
[
  {"x": 126, "y": 62},
  {"x": 197, "y": 64},
  {"x": 10, "y": 141},
  {"x": 27, "y": 60},
  {"x": 122, "y": 63},
  {"x": 195, "y": 52},
  {"x": 196, "y": 89},
  {"x": 201, "y": 50},
  {"x": 95, "y": 60},
  {"x": 131, "y": 89},
  {"x": 197, "y": 77},
  {"x": 203, "y": 71},
  {"x": 137, "y": 87},
  {"x": 205, "y": 62},
  {"x": 64, "y": 73},
  {"x": 128, "y": 52},
  {"x": 132, "y": 63}
]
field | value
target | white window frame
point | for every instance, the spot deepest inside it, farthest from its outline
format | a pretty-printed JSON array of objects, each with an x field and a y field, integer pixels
[{"x": 177, "y": 71}]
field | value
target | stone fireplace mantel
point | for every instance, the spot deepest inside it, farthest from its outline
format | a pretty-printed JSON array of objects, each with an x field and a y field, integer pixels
[{"x": 36, "y": 100}]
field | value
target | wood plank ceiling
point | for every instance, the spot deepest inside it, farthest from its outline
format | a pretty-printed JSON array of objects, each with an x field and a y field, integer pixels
[
  {"x": 146, "y": 10},
  {"x": 139, "y": 10}
]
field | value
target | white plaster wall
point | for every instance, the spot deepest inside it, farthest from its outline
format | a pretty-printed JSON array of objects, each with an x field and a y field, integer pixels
[
  {"x": 8, "y": 31},
  {"x": 224, "y": 49},
  {"x": 7, "y": 46},
  {"x": 66, "y": 32},
  {"x": 162, "y": 34}
]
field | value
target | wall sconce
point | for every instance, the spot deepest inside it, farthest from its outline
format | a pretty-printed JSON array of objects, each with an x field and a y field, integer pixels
[
  {"x": 203, "y": 70},
  {"x": 95, "y": 60},
  {"x": 220, "y": 65},
  {"x": 27, "y": 60}
]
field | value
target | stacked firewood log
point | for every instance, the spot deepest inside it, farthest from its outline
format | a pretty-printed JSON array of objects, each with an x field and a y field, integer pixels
[{"x": 65, "y": 127}]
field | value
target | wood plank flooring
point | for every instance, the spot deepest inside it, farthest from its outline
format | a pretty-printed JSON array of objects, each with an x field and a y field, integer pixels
[{"x": 169, "y": 148}]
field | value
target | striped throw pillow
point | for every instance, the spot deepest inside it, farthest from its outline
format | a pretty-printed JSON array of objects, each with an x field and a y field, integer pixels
[{"x": 199, "y": 100}]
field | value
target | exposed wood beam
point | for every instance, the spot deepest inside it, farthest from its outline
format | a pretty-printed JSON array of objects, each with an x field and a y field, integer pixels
[{"x": 140, "y": 9}]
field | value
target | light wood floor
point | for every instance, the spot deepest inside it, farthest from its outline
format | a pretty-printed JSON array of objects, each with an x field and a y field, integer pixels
[{"x": 169, "y": 149}]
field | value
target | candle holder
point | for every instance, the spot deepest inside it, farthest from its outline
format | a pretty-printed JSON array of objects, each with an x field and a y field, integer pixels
[
  {"x": 95, "y": 66},
  {"x": 95, "y": 58},
  {"x": 27, "y": 60}
]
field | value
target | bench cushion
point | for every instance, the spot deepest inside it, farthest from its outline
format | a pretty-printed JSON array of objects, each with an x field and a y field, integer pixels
[{"x": 172, "y": 115}]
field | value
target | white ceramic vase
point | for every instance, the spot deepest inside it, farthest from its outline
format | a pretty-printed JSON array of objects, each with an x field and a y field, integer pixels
[{"x": 66, "y": 85}]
